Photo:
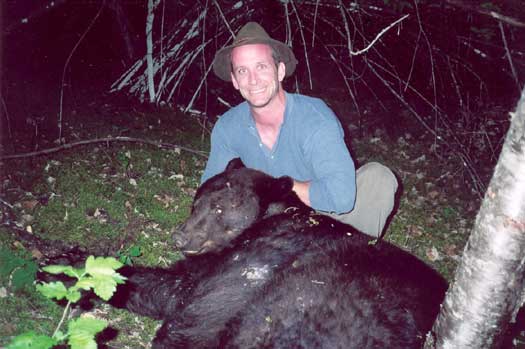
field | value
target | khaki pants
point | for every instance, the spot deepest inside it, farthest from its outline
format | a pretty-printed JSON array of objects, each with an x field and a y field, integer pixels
[{"x": 375, "y": 197}]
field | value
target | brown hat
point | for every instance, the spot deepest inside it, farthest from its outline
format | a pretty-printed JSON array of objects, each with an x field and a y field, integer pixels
[{"x": 252, "y": 33}]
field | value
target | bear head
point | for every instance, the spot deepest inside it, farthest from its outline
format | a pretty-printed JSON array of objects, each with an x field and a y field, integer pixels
[{"x": 227, "y": 204}]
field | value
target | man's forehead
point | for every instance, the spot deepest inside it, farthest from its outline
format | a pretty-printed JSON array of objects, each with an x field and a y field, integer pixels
[{"x": 261, "y": 51}]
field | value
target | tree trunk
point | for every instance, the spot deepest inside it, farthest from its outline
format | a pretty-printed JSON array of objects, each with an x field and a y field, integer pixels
[
  {"x": 149, "y": 48},
  {"x": 486, "y": 293}
]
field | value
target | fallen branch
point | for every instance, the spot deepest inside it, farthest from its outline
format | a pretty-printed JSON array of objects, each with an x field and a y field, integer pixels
[{"x": 104, "y": 140}]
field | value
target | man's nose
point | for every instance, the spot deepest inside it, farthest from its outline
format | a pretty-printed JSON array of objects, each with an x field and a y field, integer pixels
[{"x": 252, "y": 78}]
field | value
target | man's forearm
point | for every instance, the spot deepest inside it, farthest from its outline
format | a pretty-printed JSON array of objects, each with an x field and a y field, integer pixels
[{"x": 302, "y": 189}]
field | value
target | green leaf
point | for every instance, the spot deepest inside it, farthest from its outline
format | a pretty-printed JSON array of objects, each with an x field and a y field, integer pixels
[
  {"x": 24, "y": 276},
  {"x": 53, "y": 290},
  {"x": 64, "y": 269},
  {"x": 82, "y": 332},
  {"x": 60, "y": 336},
  {"x": 8, "y": 262},
  {"x": 102, "y": 266},
  {"x": 73, "y": 295},
  {"x": 31, "y": 340},
  {"x": 86, "y": 283},
  {"x": 105, "y": 286},
  {"x": 134, "y": 251}
]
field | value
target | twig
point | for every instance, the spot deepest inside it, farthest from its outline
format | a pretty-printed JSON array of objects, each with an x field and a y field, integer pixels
[
  {"x": 413, "y": 63},
  {"x": 347, "y": 29},
  {"x": 224, "y": 19},
  {"x": 104, "y": 140},
  {"x": 498, "y": 16},
  {"x": 381, "y": 33},
  {"x": 66, "y": 65},
  {"x": 315, "y": 22},
  {"x": 4, "y": 106},
  {"x": 304, "y": 43},
  {"x": 456, "y": 85},
  {"x": 509, "y": 57},
  {"x": 190, "y": 104},
  {"x": 288, "y": 25},
  {"x": 433, "y": 74}
]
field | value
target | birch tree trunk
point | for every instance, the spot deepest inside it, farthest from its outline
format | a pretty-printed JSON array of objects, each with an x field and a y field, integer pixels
[
  {"x": 149, "y": 48},
  {"x": 488, "y": 285}
]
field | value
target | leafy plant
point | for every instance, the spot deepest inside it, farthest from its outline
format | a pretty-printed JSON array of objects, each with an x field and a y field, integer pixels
[
  {"x": 99, "y": 275},
  {"x": 126, "y": 256},
  {"x": 15, "y": 270}
]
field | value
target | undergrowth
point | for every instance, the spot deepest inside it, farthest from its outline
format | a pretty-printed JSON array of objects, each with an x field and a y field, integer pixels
[{"x": 124, "y": 200}]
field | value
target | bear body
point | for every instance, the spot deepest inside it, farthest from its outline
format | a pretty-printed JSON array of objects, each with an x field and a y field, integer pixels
[{"x": 265, "y": 271}]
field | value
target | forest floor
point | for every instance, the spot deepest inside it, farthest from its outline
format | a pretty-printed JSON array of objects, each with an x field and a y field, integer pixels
[{"x": 124, "y": 199}]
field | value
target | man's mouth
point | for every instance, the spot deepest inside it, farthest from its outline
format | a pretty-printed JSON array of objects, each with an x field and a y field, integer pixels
[{"x": 258, "y": 91}]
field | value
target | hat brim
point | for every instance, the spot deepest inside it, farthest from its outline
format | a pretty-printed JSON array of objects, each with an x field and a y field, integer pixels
[{"x": 222, "y": 63}]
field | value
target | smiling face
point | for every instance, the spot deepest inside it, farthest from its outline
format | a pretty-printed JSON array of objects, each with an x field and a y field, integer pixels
[{"x": 256, "y": 75}]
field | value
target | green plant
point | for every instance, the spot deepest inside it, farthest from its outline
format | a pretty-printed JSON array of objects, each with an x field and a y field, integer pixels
[
  {"x": 15, "y": 270},
  {"x": 126, "y": 256},
  {"x": 99, "y": 275}
]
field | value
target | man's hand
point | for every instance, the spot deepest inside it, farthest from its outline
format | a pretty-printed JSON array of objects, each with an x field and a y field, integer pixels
[{"x": 302, "y": 189}]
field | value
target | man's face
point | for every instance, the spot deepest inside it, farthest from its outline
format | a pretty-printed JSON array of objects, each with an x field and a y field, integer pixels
[{"x": 255, "y": 74}]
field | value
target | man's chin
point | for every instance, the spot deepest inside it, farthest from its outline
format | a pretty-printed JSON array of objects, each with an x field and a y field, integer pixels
[{"x": 258, "y": 104}]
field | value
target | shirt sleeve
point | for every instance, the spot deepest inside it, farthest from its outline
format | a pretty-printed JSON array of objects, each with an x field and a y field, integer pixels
[
  {"x": 220, "y": 152},
  {"x": 333, "y": 188}
]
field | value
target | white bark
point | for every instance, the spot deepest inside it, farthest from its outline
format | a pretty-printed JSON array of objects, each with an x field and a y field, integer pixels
[
  {"x": 487, "y": 289},
  {"x": 149, "y": 48}
]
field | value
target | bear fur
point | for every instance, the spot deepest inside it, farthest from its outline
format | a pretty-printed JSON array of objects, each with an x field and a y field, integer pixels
[{"x": 265, "y": 271}]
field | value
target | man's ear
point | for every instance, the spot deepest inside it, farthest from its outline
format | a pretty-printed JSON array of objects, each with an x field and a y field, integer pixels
[
  {"x": 281, "y": 71},
  {"x": 234, "y": 164},
  {"x": 234, "y": 81}
]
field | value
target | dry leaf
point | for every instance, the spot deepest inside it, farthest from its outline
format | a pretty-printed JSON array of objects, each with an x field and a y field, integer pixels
[
  {"x": 29, "y": 204},
  {"x": 414, "y": 231},
  {"x": 451, "y": 250},
  {"x": 433, "y": 254}
]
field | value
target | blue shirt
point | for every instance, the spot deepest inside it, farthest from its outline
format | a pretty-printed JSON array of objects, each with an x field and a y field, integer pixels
[{"x": 310, "y": 147}]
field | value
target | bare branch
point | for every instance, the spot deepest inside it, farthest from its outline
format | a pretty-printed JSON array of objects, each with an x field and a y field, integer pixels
[
  {"x": 67, "y": 64},
  {"x": 224, "y": 19},
  {"x": 381, "y": 33},
  {"x": 509, "y": 57},
  {"x": 103, "y": 140}
]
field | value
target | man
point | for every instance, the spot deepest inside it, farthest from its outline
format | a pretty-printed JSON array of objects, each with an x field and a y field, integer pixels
[{"x": 281, "y": 133}]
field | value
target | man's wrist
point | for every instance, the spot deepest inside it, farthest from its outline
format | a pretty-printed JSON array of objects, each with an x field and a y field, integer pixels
[{"x": 302, "y": 189}]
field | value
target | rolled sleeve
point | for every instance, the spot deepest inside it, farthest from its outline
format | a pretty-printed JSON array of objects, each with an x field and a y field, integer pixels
[
  {"x": 220, "y": 153},
  {"x": 333, "y": 188}
]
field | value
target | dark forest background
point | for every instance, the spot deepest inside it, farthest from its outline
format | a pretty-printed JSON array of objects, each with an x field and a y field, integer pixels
[{"x": 90, "y": 157}]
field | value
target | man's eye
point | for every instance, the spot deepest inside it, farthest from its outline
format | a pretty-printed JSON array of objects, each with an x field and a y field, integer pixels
[
  {"x": 241, "y": 71},
  {"x": 262, "y": 66}
]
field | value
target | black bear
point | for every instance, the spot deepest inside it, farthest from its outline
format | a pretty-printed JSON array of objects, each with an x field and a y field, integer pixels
[{"x": 265, "y": 271}]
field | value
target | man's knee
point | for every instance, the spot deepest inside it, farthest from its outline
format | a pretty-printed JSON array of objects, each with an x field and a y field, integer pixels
[{"x": 378, "y": 176}]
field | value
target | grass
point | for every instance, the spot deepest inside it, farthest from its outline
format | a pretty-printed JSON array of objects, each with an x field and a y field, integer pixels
[{"x": 112, "y": 198}]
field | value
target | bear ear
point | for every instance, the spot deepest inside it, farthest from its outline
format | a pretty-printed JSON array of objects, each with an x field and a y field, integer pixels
[
  {"x": 274, "y": 189},
  {"x": 234, "y": 164},
  {"x": 284, "y": 185}
]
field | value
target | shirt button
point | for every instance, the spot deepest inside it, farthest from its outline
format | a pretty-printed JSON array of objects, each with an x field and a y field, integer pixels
[{"x": 260, "y": 144}]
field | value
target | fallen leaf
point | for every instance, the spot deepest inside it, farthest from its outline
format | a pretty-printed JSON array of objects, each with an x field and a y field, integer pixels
[
  {"x": 37, "y": 254},
  {"x": 414, "y": 230},
  {"x": 451, "y": 250},
  {"x": 29, "y": 204},
  {"x": 433, "y": 254},
  {"x": 433, "y": 194}
]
